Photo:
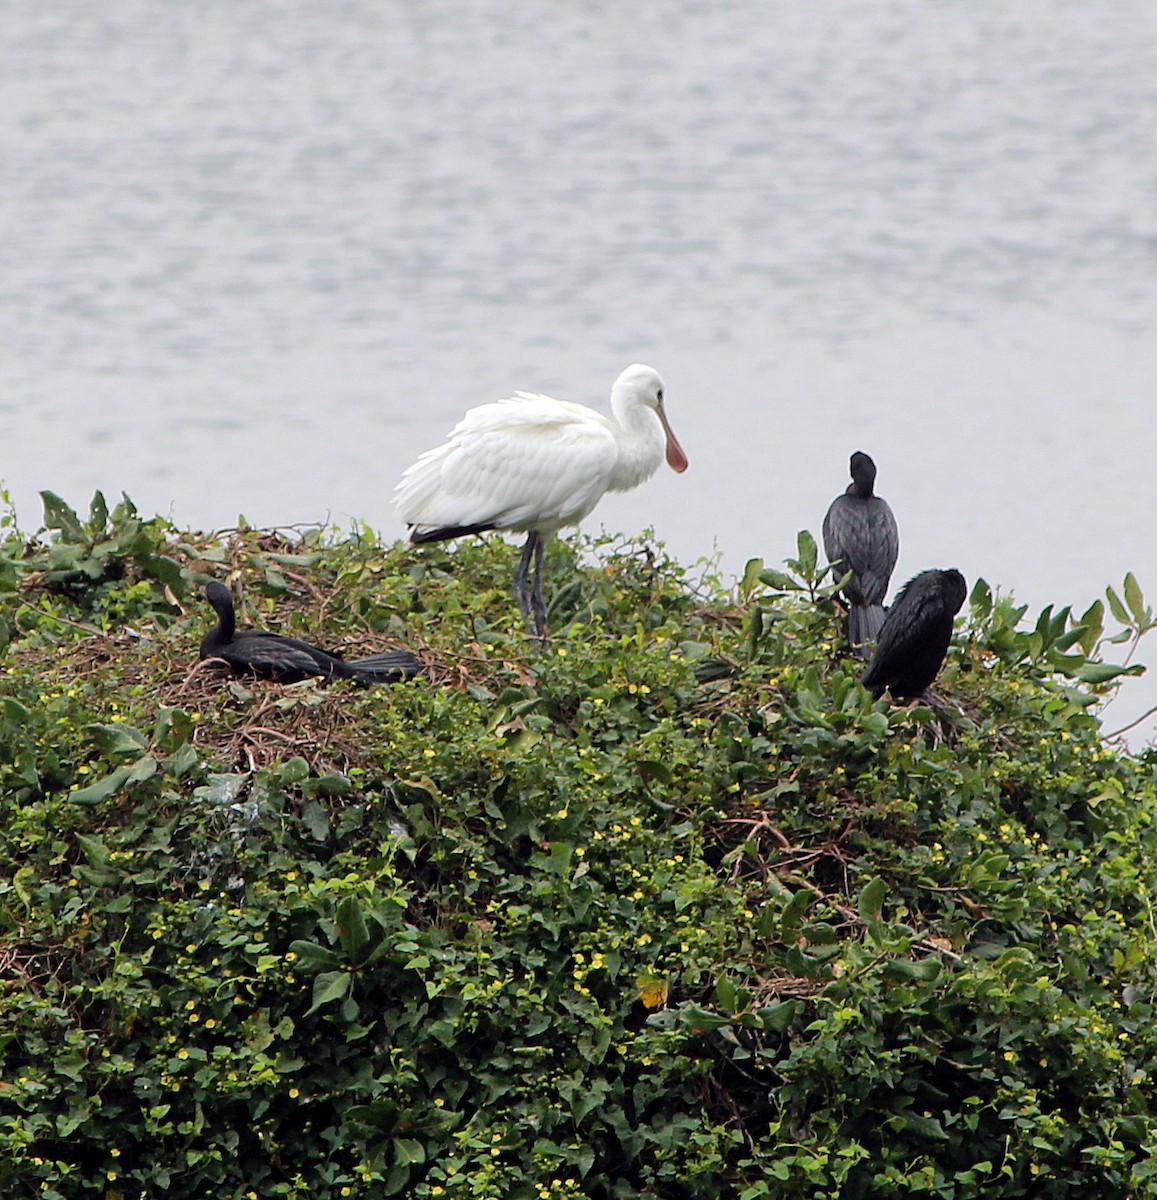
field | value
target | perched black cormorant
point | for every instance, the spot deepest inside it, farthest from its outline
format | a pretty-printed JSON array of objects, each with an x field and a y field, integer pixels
[
  {"x": 287, "y": 660},
  {"x": 914, "y": 638},
  {"x": 860, "y": 533}
]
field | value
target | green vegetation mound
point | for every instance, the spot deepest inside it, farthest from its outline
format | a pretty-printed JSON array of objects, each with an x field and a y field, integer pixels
[{"x": 673, "y": 909}]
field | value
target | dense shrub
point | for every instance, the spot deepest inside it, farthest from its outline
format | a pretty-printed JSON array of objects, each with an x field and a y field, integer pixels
[{"x": 673, "y": 909}]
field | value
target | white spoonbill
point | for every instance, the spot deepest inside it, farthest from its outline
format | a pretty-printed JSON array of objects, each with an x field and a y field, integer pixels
[{"x": 533, "y": 464}]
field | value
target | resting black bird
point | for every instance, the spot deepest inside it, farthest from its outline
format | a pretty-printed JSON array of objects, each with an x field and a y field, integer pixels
[
  {"x": 287, "y": 660},
  {"x": 914, "y": 638},
  {"x": 860, "y": 533}
]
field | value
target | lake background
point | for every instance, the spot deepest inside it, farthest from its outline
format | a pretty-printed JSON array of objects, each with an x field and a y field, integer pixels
[{"x": 257, "y": 256}]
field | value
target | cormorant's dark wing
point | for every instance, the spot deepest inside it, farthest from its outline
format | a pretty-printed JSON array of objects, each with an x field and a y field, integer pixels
[
  {"x": 272, "y": 656},
  {"x": 914, "y": 638},
  {"x": 834, "y": 529},
  {"x": 876, "y": 555},
  {"x": 843, "y": 532},
  {"x": 849, "y": 538},
  {"x": 390, "y": 666}
]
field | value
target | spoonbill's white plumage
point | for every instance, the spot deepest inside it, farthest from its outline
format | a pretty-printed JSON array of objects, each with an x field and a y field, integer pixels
[{"x": 534, "y": 464}]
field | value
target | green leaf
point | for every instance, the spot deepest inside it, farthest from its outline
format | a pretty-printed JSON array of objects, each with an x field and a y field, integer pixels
[
  {"x": 751, "y": 574},
  {"x": 94, "y": 850},
  {"x": 221, "y": 789},
  {"x": 351, "y": 928},
  {"x": 101, "y": 789},
  {"x": 409, "y": 1151},
  {"x": 328, "y": 987},
  {"x": 332, "y": 783},
  {"x": 1134, "y": 599},
  {"x": 311, "y": 952},
  {"x": 98, "y": 513},
  {"x": 808, "y": 554},
  {"x": 1098, "y": 672},
  {"x": 293, "y": 770},
  {"x": 1092, "y": 625},
  {"x": 726, "y": 994},
  {"x": 144, "y": 768},
  {"x": 59, "y": 516},
  {"x": 291, "y": 560},
  {"x": 1119, "y": 611},
  {"x": 561, "y": 854},
  {"x": 167, "y": 570},
  {"x": 777, "y": 1017},
  {"x": 71, "y": 1065},
  {"x": 980, "y": 601},
  {"x": 926, "y": 970},
  {"x": 183, "y": 761},
  {"x": 117, "y": 739},
  {"x": 754, "y": 630},
  {"x": 650, "y": 769},
  {"x": 173, "y": 728},
  {"x": 780, "y": 580},
  {"x": 702, "y": 1020},
  {"x": 871, "y": 903},
  {"x": 793, "y": 913},
  {"x": 316, "y": 820}
]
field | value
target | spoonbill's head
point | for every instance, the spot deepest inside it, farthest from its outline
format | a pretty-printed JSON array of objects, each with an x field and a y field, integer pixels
[{"x": 641, "y": 384}]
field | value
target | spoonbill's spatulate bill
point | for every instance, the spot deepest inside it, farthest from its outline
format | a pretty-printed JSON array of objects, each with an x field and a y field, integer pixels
[
  {"x": 534, "y": 464},
  {"x": 860, "y": 532},
  {"x": 915, "y": 635},
  {"x": 288, "y": 660}
]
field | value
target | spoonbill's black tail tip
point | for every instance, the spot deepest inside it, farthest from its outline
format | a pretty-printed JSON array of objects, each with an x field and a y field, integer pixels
[
  {"x": 391, "y": 666},
  {"x": 864, "y": 623},
  {"x": 421, "y": 535}
]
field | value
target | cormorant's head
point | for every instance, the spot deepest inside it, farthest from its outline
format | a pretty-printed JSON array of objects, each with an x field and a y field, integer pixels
[
  {"x": 955, "y": 589},
  {"x": 219, "y": 596},
  {"x": 863, "y": 474}
]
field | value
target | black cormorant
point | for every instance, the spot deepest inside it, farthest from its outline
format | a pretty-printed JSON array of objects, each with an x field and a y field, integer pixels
[
  {"x": 914, "y": 638},
  {"x": 287, "y": 660},
  {"x": 860, "y": 533}
]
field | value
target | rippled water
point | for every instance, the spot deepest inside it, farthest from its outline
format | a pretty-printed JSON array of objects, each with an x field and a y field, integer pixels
[{"x": 257, "y": 256}]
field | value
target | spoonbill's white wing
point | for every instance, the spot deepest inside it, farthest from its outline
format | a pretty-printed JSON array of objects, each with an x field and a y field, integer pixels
[{"x": 529, "y": 461}]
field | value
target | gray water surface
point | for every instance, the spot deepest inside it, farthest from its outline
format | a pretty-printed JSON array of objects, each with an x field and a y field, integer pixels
[{"x": 255, "y": 257}]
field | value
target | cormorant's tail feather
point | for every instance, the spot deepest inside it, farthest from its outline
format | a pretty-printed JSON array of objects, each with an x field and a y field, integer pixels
[
  {"x": 391, "y": 666},
  {"x": 864, "y": 623},
  {"x": 420, "y": 535}
]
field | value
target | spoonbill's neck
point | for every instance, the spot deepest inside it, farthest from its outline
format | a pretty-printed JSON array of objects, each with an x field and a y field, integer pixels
[{"x": 640, "y": 438}]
